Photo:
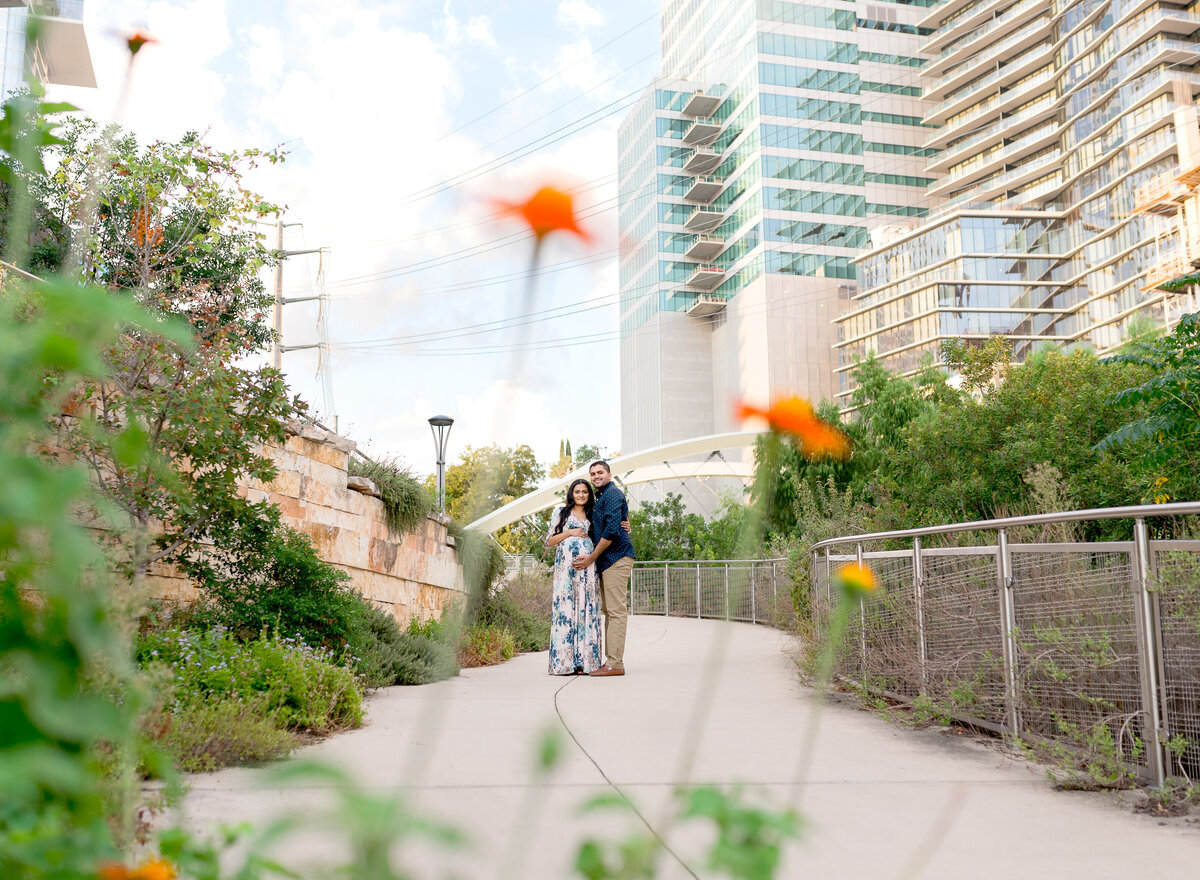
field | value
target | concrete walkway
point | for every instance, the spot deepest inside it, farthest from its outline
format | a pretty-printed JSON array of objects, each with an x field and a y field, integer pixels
[{"x": 879, "y": 802}]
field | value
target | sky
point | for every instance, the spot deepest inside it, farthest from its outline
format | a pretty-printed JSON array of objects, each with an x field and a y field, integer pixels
[{"x": 404, "y": 121}]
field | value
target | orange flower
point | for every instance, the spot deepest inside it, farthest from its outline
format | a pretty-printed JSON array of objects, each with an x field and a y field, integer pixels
[
  {"x": 796, "y": 416},
  {"x": 138, "y": 38},
  {"x": 856, "y": 580},
  {"x": 547, "y": 210},
  {"x": 155, "y": 869}
]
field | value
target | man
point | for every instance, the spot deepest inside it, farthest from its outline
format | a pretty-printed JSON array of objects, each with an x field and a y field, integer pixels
[{"x": 613, "y": 555}]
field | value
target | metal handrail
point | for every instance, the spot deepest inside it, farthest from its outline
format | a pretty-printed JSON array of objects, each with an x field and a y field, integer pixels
[
  {"x": 1089, "y": 515},
  {"x": 704, "y": 561}
]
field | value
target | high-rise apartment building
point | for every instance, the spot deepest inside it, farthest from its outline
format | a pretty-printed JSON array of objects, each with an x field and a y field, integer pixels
[
  {"x": 1061, "y": 129},
  {"x": 59, "y": 55},
  {"x": 781, "y": 135}
]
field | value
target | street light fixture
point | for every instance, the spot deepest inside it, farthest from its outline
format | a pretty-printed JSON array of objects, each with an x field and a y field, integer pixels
[{"x": 440, "y": 426}]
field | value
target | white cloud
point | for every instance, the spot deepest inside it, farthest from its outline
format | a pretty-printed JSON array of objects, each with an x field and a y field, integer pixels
[
  {"x": 579, "y": 14},
  {"x": 366, "y": 108},
  {"x": 479, "y": 31}
]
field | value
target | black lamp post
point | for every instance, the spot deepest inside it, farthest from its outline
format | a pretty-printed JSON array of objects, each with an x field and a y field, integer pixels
[{"x": 440, "y": 426}]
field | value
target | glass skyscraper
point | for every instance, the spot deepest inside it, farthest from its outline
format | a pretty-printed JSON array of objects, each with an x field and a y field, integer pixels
[
  {"x": 781, "y": 138},
  {"x": 61, "y": 53},
  {"x": 1065, "y": 136}
]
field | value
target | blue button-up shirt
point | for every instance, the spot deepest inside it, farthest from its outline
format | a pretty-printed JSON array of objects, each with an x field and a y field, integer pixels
[{"x": 610, "y": 510}]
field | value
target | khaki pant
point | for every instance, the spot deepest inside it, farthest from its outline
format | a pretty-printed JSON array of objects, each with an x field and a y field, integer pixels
[{"x": 614, "y": 602}]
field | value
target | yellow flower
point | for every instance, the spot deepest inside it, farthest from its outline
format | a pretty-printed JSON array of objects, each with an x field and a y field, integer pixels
[{"x": 856, "y": 580}]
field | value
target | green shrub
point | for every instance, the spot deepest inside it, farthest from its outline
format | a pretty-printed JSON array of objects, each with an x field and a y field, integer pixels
[
  {"x": 301, "y": 687},
  {"x": 208, "y": 735},
  {"x": 485, "y": 645},
  {"x": 529, "y": 632},
  {"x": 394, "y": 656},
  {"x": 406, "y": 502},
  {"x": 532, "y": 592},
  {"x": 270, "y": 577},
  {"x": 482, "y": 561}
]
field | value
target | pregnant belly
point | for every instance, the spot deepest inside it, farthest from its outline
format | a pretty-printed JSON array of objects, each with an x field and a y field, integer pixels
[{"x": 576, "y": 547}]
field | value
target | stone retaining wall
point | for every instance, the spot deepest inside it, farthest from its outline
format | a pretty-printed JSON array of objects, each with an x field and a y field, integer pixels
[{"x": 415, "y": 575}]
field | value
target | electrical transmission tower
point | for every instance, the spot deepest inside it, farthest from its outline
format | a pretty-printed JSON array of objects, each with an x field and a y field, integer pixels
[{"x": 324, "y": 360}]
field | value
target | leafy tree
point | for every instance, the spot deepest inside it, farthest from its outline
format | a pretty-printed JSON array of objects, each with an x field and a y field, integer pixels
[
  {"x": 488, "y": 477},
  {"x": 174, "y": 230},
  {"x": 586, "y": 454},
  {"x": 31, "y": 237},
  {"x": 564, "y": 464},
  {"x": 968, "y": 458},
  {"x": 1164, "y": 432},
  {"x": 980, "y": 363},
  {"x": 663, "y": 530}
]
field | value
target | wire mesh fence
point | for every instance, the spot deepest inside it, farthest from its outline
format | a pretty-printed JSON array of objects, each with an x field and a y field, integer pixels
[
  {"x": 1091, "y": 648},
  {"x": 737, "y": 589}
]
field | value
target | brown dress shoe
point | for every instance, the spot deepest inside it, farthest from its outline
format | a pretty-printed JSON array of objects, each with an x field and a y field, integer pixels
[{"x": 607, "y": 670}]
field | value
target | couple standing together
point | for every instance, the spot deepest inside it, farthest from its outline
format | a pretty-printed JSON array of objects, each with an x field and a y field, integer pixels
[{"x": 592, "y": 565}]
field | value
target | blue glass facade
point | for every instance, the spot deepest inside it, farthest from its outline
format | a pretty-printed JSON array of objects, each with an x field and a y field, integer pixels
[{"x": 750, "y": 177}]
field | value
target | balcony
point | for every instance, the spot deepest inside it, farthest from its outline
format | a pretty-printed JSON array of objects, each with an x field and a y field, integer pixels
[
  {"x": 992, "y": 160},
  {"x": 700, "y": 104},
  {"x": 706, "y": 277},
  {"x": 62, "y": 55},
  {"x": 977, "y": 49},
  {"x": 705, "y": 247},
  {"x": 1008, "y": 72},
  {"x": 951, "y": 27},
  {"x": 702, "y": 131},
  {"x": 706, "y": 305},
  {"x": 1038, "y": 111},
  {"x": 1163, "y": 195},
  {"x": 704, "y": 189},
  {"x": 701, "y": 161},
  {"x": 1167, "y": 269},
  {"x": 703, "y": 218}
]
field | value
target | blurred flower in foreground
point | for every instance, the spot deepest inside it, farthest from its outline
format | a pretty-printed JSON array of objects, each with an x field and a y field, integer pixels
[
  {"x": 856, "y": 580},
  {"x": 155, "y": 869},
  {"x": 796, "y": 416},
  {"x": 547, "y": 210},
  {"x": 136, "y": 39}
]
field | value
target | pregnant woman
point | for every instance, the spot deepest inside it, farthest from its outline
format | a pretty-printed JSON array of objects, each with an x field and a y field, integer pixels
[{"x": 575, "y": 618}]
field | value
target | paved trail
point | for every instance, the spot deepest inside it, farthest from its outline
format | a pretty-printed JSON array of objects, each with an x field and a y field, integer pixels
[{"x": 880, "y": 802}]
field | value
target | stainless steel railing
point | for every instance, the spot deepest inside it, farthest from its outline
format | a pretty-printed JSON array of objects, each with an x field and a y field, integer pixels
[
  {"x": 1086, "y": 646},
  {"x": 750, "y": 590}
]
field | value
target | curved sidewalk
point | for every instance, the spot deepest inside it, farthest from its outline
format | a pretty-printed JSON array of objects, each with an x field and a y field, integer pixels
[{"x": 880, "y": 801}]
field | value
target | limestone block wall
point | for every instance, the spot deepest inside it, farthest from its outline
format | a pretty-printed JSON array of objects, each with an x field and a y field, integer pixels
[{"x": 416, "y": 575}]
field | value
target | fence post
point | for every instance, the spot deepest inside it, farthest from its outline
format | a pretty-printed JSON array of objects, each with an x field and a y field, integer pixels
[
  {"x": 666, "y": 589},
  {"x": 919, "y": 599},
  {"x": 828, "y": 579},
  {"x": 698, "y": 615},
  {"x": 1149, "y": 650},
  {"x": 753, "y": 590},
  {"x": 775, "y": 588},
  {"x": 726, "y": 590},
  {"x": 862, "y": 620},
  {"x": 1008, "y": 623}
]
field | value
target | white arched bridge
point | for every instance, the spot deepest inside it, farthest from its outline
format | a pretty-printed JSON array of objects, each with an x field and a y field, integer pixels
[{"x": 657, "y": 464}]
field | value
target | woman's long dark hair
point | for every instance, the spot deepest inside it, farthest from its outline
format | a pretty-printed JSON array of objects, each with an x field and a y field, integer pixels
[{"x": 566, "y": 511}]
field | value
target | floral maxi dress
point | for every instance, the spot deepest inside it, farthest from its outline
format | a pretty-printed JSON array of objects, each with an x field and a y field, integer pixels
[{"x": 575, "y": 616}]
